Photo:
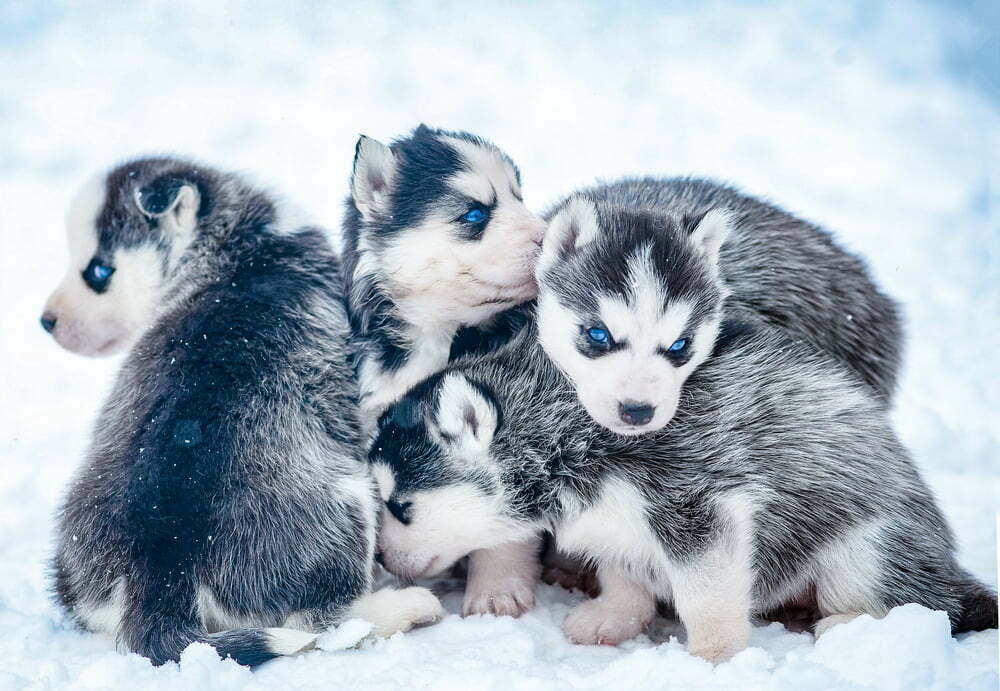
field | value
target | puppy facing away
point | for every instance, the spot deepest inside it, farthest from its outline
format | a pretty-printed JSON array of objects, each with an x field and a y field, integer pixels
[
  {"x": 778, "y": 476},
  {"x": 223, "y": 498},
  {"x": 439, "y": 253},
  {"x": 605, "y": 322}
]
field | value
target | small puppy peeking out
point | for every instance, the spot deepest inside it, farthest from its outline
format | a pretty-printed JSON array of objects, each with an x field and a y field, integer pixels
[{"x": 223, "y": 498}]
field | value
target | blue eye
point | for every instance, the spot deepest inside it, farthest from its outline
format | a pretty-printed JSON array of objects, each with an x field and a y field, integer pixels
[
  {"x": 598, "y": 336},
  {"x": 474, "y": 215},
  {"x": 96, "y": 275},
  {"x": 101, "y": 272},
  {"x": 678, "y": 346}
]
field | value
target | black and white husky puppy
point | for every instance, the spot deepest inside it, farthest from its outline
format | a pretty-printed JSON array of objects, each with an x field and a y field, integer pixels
[
  {"x": 224, "y": 498},
  {"x": 778, "y": 477},
  {"x": 628, "y": 350},
  {"x": 439, "y": 252}
]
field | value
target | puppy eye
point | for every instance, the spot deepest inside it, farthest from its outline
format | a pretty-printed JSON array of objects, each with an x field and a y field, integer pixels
[
  {"x": 400, "y": 511},
  {"x": 97, "y": 275},
  {"x": 475, "y": 215},
  {"x": 678, "y": 346},
  {"x": 598, "y": 336}
]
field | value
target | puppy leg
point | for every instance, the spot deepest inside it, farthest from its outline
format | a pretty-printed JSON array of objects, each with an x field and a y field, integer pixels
[
  {"x": 502, "y": 580},
  {"x": 621, "y": 612},
  {"x": 712, "y": 595}
]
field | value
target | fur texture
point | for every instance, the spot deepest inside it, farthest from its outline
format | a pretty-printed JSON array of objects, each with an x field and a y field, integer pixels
[
  {"x": 776, "y": 270},
  {"x": 439, "y": 254},
  {"x": 223, "y": 496},
  {"x": 779, "y": 475}
]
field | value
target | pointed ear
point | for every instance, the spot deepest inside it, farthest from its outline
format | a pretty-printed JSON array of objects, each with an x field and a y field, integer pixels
[
  {"x": 572, "y": 228},
  {"x": 371, "y": 181},
  {"x": 466, "y": 415},
  {"x": 174, "y": 202},
  {"x": 710, "y": 232}
]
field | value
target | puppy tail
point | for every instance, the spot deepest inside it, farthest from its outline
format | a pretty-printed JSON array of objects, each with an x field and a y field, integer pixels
[
  {"x": 977, "y": 609},
  {"x": 161, "y": 619}
]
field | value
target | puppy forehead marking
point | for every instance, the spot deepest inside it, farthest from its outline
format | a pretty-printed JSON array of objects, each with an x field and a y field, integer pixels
[
  {"x": 645, "y": 314},
  {"x": 487, "y": 172},
  {"x": 81, "y": 219},
  {"x": 385, "y": 480}
]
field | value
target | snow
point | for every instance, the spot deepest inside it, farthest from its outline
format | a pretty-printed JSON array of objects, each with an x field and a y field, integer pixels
[{"x": 881, "y": 121}]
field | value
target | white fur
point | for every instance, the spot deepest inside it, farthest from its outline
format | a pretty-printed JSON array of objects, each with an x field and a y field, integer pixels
[
  {"x": 106, "y": 617},
  {"x": 713, "y": 592},
  {"x": 621, "y": 612},
  {"x": 445, "y": 525},
  {"x": 845, "y": 570},
  {"x": 381, "y": 388},
  {"x": 289, "y": 641},
  {"x": 711, "y": 232},
  {"x": 572, "y": 228},
  {"x": 637, "y": 372},
  {"x": 464, "y": 417},
  {"x": 385, "y": 480},
  {"x": 95, "y": 324},
  {"x": 374, "y": 169},
  {"x": 217, "y": 618},
  {"x": 502, "y": 580},
  {"x": 391, "y": 611}
]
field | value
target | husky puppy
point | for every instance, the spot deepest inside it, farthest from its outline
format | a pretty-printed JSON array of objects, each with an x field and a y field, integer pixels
[
  {"x": 439, "y": 252},
  {"x": 224, "y": 498},
  {"x": 778, "y": 477},
  {"x": 628, "y": 353}
]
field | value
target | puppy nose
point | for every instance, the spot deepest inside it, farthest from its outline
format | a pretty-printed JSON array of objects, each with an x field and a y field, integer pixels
[
  {"x": 48, "y": 322},
  {"x": 636, "y": 412},
  {"x": 379, "y": 558}
]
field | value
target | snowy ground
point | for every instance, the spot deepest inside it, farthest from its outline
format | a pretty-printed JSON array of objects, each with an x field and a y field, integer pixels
[{"x": 882, "y": 122}]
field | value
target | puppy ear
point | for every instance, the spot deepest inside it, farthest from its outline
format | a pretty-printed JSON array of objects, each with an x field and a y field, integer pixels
[
  {"x": 371, "y": 181},
  {"x": 569, "y": 230},
  {"x": 466, "y": 414},
  {"x": 174, "y": 202},
  {"x": 709, "y": 232}
]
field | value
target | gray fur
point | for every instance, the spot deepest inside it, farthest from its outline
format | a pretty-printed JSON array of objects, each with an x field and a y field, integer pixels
[
  {"x": 223, "y": 488},
  {"x": 783, "y": 271}
]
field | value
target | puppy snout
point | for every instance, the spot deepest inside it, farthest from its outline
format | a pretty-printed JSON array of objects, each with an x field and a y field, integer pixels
[
  {"x": 48, "y": 321},
  {"x": 379, "y": 558},
  {"x": 636, "y": 412}
]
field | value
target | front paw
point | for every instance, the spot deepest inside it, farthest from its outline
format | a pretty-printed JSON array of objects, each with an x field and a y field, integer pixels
[
  {"x": 510, "y": 598},
  {"x": 720, "y": 642},
  {"x": 595, "y": 622}
]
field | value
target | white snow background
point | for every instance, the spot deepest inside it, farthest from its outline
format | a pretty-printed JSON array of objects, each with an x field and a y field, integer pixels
[{"x": 880, "y": 121}]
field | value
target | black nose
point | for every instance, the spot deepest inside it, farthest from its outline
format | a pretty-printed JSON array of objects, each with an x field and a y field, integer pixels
[
  {"x": 48, "y": 322},
  {"x": 378, "y": 558},
  {"x": 636, "y": 413}
]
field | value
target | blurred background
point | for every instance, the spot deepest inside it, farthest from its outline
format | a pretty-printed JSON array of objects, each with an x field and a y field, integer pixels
[{"x": 881, "y": 121}]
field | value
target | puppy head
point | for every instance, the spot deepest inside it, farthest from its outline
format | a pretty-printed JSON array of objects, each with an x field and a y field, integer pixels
[
  {"x": 440, "y": 485},
  {"x": 443, "y": 226},
  {"x": 629, "y": 306},
  {"x": 127, "y": 230}
]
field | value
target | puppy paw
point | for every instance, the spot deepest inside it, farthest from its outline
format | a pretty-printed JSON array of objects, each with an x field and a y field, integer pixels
[
  {"x": 391, "y": 610},
  {"x": 719, "y": 642},
  {"x": 594, "y": 622},
  {"x": 510, "y": 597}
]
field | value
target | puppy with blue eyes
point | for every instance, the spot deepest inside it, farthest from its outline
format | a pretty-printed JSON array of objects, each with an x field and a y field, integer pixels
[
  {"x": 778, "y": 478},
  {"x": 224, "y": 498},
  {"x": 628, "y": 350},
  {"x": 439, "y": 256}
]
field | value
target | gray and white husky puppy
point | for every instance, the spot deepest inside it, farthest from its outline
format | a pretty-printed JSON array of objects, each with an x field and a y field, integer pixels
[
  {"x": 439, "y": 252},
  {"x": 778, "y": 477},
  {"x": 628, "y": 350},
  {"x": 224, "y": 498}
]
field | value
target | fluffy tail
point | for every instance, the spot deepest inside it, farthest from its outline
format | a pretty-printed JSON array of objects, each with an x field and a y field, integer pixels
[
  {"x": 978, "y": 609},
  {"x": 161, "y": 619}
]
